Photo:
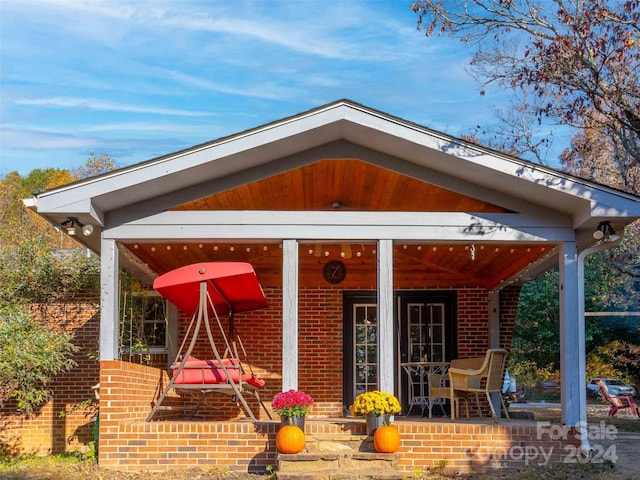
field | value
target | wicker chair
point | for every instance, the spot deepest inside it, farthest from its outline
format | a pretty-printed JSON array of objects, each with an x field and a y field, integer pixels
[{"x": 466, "y": 377}]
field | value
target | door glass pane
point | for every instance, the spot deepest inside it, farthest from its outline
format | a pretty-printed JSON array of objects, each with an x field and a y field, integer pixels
[
  {"x": 366, "y": 347},
  {"x": 436, "y": 328},
  {"x": 418, "y": 338}
]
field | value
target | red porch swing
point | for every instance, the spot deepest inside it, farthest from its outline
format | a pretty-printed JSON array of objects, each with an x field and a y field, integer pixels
[{"x": 205, "y": 290}]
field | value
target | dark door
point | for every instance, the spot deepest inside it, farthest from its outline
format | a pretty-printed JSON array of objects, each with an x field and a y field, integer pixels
[
  {"x": 426, "y": 326},
  {"x": 427, "y": 321}
]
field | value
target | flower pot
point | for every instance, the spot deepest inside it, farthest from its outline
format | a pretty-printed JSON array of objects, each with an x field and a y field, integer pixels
[
  {"x": 297, "y": 420},
  {"x": 374, "y": 421}
]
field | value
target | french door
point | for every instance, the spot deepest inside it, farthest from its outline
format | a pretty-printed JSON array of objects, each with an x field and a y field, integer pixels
[{"x": 425, "y": 325}]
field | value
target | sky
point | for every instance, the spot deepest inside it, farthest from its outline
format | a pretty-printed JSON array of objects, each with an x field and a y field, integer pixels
[{"x": 141, "y": 79}]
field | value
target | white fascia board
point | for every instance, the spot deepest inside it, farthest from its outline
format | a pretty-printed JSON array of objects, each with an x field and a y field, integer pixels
[
  {"x": 433, "y": 227},
  {"x": 79, "y": 208}
]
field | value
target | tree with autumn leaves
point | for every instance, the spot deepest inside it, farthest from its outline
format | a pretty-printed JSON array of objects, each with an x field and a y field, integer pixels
[
  {"x": 574, "y": 63},
  {"x": 34, "y": 270}
]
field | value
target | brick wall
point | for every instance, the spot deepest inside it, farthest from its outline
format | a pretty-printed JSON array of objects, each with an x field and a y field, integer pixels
[
  {"x": 473, "y": 319},
  {"x": 509, "y": 298},
  {"x": 473, "y": 322},
  {"x": 61, "y": 424}
]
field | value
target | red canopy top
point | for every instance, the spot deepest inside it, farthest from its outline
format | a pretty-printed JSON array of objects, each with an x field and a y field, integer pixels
[{"x": 232, "y": 286}]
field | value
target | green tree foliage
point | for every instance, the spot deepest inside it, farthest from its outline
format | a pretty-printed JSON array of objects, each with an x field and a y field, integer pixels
[
  {"x": 31, "y": 355},
  {"x": 616, "y": 359},
  {"x": 536, "y": 343},
  {"x": 38, "y": 264}
]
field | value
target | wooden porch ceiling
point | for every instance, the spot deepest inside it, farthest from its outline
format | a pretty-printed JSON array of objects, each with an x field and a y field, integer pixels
[
  {"x": 415, "y": 265},
  {"x": 346, "y": 184}
]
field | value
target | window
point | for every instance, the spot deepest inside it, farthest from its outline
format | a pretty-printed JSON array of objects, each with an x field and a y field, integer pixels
[{"x": 143, "y": 326}]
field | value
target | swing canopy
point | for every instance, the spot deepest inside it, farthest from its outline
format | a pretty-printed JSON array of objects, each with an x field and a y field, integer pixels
[{"x": 231, "y": 287}]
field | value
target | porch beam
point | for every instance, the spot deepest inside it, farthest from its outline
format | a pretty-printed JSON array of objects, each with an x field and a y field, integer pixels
[
  {"x": 289, "y": 315},
  {"x": 386, "y": 354},
  {"x": 443, "y": 226},
  {"x": 109, "y": 299},
  {"x": 572, "y": 386}
]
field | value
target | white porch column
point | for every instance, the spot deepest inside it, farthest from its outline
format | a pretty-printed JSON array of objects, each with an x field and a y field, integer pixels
[
  {"x": 109, "y": 299},
  {"x": 385, "y": 317},
  {"x": 494, "y": 319},
  {"x": 172, "y": 320},
  {"x": 572, "y": 356},
  {"x": 289, "y": 315},
  {"x": 494, "y": 338}
]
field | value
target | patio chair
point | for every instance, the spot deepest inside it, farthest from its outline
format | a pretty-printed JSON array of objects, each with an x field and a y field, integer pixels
[
  {"x": 618, "y": 402},
  {"x": 466, "y": 378},
  {"x": 438, "y": 379}
]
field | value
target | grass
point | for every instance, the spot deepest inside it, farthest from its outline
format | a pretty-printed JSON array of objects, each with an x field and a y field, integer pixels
[{"x": 73, "y": 468}]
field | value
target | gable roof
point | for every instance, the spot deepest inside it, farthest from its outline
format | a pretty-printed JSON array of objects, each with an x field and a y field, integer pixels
[{"x": 345, "y": 130}]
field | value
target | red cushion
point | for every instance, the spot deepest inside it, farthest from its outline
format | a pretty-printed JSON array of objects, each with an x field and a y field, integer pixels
[{"x": 209, "y": 372}]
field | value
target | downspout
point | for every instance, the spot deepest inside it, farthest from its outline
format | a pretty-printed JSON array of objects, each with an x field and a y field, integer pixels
[{"x": 585, "y": 445}]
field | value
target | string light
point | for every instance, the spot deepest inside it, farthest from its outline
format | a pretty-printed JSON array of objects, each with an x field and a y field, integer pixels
[{"x": 522, "y": 273}]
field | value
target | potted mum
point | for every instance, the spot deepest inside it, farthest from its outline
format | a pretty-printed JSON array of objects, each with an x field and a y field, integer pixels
[
  {"x": 292, "y": 406},
  {"x": 377, "y": 407}
]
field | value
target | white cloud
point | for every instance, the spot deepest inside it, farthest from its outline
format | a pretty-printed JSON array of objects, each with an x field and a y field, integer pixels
[
  {"x": 16, "y": 138},
  {"x": 85, "y": 103},
  {"x": 258, "y": 91}
]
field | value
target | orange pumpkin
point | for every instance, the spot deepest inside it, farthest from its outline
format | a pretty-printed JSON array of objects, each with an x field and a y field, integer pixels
[
  {"x": 290, "y": 439},
  {"x": 386, "y": 439}
]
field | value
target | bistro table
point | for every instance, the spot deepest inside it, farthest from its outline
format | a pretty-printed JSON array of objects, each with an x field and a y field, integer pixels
[{"x": 428, "y": 385}]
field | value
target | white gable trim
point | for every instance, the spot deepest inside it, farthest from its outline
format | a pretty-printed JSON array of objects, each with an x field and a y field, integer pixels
[{"x": 340, "y": 121}]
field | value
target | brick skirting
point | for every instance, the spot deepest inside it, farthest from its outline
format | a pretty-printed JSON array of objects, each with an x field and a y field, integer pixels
[
  {"x": 242, "y": 446},
  {"x": 128, "y": 443}
]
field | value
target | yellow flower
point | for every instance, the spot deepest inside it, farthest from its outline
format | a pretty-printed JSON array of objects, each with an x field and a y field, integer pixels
[{"x": 375, "y": 402}]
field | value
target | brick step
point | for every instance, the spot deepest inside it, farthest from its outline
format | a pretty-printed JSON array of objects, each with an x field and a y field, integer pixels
[{"x": 343, "y": 464}]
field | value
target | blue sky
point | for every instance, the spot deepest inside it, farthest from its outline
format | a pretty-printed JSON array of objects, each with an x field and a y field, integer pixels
[{"x": 142, "y": 79}]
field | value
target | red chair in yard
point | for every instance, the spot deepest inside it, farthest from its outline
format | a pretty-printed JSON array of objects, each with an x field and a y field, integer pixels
[{"x": 618, "y": 402}]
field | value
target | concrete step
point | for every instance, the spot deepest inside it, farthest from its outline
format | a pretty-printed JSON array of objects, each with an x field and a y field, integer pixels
[
  {"x": 345, "y": 465},
  {"x": 344, "y": 475}
]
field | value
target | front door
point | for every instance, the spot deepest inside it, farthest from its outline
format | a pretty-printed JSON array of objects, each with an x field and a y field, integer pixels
[
  {"x": 425, "y": 326},
  {"x": 427, "y": 334}
]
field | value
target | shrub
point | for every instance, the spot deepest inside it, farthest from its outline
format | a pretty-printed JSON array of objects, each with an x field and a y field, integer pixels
[{"x": 31, "y": 355}]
